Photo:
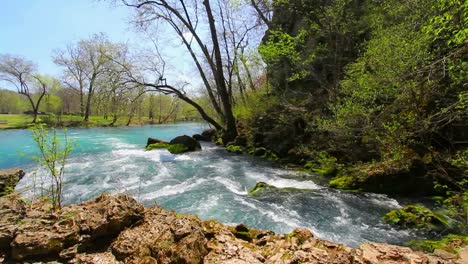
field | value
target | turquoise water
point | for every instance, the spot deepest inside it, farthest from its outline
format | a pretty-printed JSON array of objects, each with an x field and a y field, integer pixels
[{"x": 210, "y": 183}]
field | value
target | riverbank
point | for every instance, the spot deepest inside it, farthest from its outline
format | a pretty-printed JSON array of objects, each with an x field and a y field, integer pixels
[
  {"x": 117, "y": 229},
  {"x": 22, "y": 121}
]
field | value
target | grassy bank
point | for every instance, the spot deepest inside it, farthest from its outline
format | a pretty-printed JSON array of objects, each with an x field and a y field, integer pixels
[{"x": 15, "y": 121}]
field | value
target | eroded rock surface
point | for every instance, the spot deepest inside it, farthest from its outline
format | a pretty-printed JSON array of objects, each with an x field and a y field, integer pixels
[
  {"x": 8, "y": 179},
  {"x": 116, "y": 229}
]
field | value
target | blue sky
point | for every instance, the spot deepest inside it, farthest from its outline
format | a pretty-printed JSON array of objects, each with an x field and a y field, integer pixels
[{"x": 34, "y": 28}]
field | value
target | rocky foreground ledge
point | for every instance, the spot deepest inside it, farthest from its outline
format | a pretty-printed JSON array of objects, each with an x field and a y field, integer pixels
[{"x": 116, "y": 229}]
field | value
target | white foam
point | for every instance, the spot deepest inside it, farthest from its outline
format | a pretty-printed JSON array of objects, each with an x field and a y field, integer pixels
[
  {"x": 174, "y": 189},
  {"x": 288, "y": 183},
  {"x": 232, "y": 186},
  {"x": 383, "y": 200}
]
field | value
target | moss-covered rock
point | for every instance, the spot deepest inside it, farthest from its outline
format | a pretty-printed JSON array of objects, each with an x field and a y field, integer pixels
[
  {"x": 258, "y": 151},
  {"x": 390, "y": 177},
  {"x": 161, "y": 145},
  {"x": 152, "y": 141},
  {"x": 345, "y": 182},
  {"x": 188, "y": 142},
  {"x": 260, "y": 188},
  {"x": 177, "y": 148},
  {"x": 235, "y": 149},
  {"x": 415, "y": 216},
  {"x": 450, "y": 243},
  {"x": 326, "y": 169}
]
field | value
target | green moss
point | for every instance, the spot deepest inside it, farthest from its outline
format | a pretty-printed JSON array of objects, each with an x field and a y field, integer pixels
[
  {"x": 157, "y": 146},
  {"x": 243, "y": 232},
  {"x": 344, "y": 182},
  {"x": 234, "y": 149},
  {"x": 415, "y": 216},
  {"x": 259, "y": 188},
  {"x": 450, "y": 243},
  {"x": 177, "y": 148},
  {"x": 323, "y": 164},
  {"x": 219, "y": 142}
]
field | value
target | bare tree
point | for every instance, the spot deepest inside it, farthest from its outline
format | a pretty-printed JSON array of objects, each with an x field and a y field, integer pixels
[
  {"x": 22, "y": 74},
  {"x": 84, "y": 63},
  {"x": 203, "y": 33}
]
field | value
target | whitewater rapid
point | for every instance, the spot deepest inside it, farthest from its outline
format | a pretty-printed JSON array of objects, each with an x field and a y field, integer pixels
[{"x": 214, "y": 185}]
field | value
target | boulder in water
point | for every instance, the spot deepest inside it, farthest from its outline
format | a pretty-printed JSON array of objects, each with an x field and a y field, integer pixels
[
  {"x": 152, "y": 141},
  {"x": 183, "y": 144},
  {"x": 8, "y": 180},
  {"x": 209, "y": 133},
  {"x": 199, "y": 137}
]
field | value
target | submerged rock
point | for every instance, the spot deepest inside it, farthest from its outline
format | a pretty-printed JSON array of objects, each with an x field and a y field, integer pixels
[
  {"x": 8, "y": 180},
  {"x": 116, "y": 229},
  {"x": 261, "y": 187}
]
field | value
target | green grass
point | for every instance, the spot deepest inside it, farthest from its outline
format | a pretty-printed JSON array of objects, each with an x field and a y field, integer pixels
[
  {"x": 15, "y": 121},
  {"x": 22, "y": 121}
]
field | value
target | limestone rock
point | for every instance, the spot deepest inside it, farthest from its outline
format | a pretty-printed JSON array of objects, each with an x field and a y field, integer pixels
[
  {"x": 9, "y": 178},
  {"x": 106, "y": 215},
  {"x": 164, "y": 236},
  {"x": 57, "y": 235},
  {"x": 383, "y": 253},
  {"x": 116, "y": 229},
  {"x": 12, "y": 210}
]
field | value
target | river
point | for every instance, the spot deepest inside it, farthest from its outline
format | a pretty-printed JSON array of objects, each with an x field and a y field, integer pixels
[{"x": 211, "y": 183}]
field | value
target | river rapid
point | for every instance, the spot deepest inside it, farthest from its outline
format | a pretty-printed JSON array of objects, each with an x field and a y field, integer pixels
[{"x": 210, "y": 183}]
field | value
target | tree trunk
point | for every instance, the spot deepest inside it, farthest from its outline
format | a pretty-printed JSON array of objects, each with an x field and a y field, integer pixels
[{"x": 231, "y": 131}]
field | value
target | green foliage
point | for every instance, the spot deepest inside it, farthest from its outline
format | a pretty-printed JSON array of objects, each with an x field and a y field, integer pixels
[
  {"x": 177, "y": 148},
  {"x": 53, "y": 157},
  {"x": 456, "y": 208},
  {"x": 450, "y": 243},
  {"x": 157, "y": 146},
  {"x": 415, "y": 216},
  {"x": 282, "y": 47},
  {"x": 460, "y": 160},
  {"x": 450, "y": 24},
  {"x": 254, "y": 104}
]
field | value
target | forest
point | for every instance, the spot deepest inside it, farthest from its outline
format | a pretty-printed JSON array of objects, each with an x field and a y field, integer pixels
[{"x": 371, "y": 94}]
